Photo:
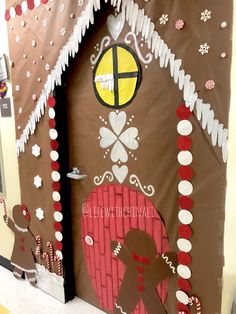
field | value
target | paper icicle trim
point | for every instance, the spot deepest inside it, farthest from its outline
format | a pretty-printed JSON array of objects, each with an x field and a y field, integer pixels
[{"x": 139, "y": 23}]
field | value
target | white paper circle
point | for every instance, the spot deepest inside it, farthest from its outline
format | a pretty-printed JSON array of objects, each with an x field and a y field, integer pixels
[
  {"x": 185, "y": 217},
  {"x": 59, "y": 254},
  {"x": 54, "y": 155},
  {"x": 12, "y": 12},
  {"x": 185, "y": 158},
  {"x": 184, "y": 127},
  {"x": 58, "y": 216},
  {"x": 51, "y": 113},
  {"x": 184, "y": 272},
  {"x": 24, "y": 6},
  {"x": 56, "y": 196},
  {"x": 37, "y": 3},
  {"x": 53, "y": 134},
  {"x": 185, "y": 188},
  {"x": 184, "y": 245},
  {"x": 88, "y": 240},
  {"x": 58, "y": 236},
  {"x": 223, "y": 24},
  {"x": 55, "y": 176},
  {"x": 182, "y": 297}
]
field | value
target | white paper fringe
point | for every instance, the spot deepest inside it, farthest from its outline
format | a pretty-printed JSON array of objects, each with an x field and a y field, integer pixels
[{"x": 139, "y": 23}]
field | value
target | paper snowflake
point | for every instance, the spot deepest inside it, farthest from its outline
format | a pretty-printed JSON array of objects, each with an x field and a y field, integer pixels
[
  {"x": 39, "y": 213},
  {"x": 63, "y": 31},
  {"x": 17, "y": 88},
  {"x": 17, "y": 39},
  {"x": 164, "y": 19},
  {"x": 204, "y": 48},
  {"x": 28, "y": 74},
  {"x": 38, "y": 181},
  {"x": 205, "y": 15},
  {"x": 47, "y": 67},
  {"x": 80, "y": 3},
  {"x": 62, "y": 7},
  {"x": 45, "y": 23},
  {"x": 36, "y": 150}
]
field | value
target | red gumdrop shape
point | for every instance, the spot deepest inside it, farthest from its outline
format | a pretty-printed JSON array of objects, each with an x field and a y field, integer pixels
[
  {"x": 184, "y": 258},
  {"x": 30, "y": 4},
  {"x": 18, "y": 10},
  {"x": 185, "y": 232},
  {"x": 185, "y": 172},
  {"x": 54, "y": 145},
  {"x": 57, "y": 206},
  {"x": 7, "y": 15},
  {"x": 184, "y": 142},
  {"x": 56, "y": 186},
  {"x": 58, "y": 245},
  {"x": 55, "y": 165},
  {"x": 57, "y": 226},
  {"x": 51, "y": 101},
  {"x": 184, "y": 285},
  {"x": 183, "y": 112},
  {"x": 185, "y": 202},
  {"x": 52, "y": 123}
]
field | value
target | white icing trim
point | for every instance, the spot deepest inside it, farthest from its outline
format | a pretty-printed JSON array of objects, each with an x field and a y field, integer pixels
[
  {"x": 23, "y": 269},
  {"x": 168, "y": 262},
  {"x": 148, "y": 190},
  {"x": 138, "y": 23},
  {"x": 21, "y": 229},
  {"x": 120, "y": 308},
  {"x": 98, "y": 180}
]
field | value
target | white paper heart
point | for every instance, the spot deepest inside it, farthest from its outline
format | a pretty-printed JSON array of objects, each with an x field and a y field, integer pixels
[
  {"x": 118, "y": 152},
  {"x": 128, "y": 137},
  {"x": 115, "y": 25},
  {"x": 120, "y": 172},
  {"x": 108, "y": 138},
  {"x": 117, "y": 121}
]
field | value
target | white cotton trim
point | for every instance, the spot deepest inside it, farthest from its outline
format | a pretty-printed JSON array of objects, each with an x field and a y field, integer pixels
[
  {"x": 139, "y": 23},
  {"x": 21, "y": 229}
]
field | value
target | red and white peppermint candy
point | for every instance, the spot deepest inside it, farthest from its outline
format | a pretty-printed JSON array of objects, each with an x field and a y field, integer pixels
[
  {"x": 179, "y": 24},
  {"x": 210, "y": 84}
]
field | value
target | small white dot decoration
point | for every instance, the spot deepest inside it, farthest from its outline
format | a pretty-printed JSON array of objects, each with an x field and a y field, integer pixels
[
  {"x": 182, "y": 297},
  {"x": 223, "y": 24},
  {"x": 51, "y": 113},
  {"x": 23, "y": 23},
  {"x": 58, "y": 236},
  {"x": 185, "y": 217},
  {"x": 55, "y": 176},
  {"x": 185, "y": 157},
  {"x": 54, "y": 155},
  {"x": 223, "y": 55},
  {"x": 184, "y": 245},
  {"x": 58, "y": 216},
  {"x": 184, "y": 272},
  {"x": 24, "y": 6},
  {"x": 184, "y": 127},
  {"x": 33, "y": 43},
  {"x": 185, "y": 187},
  {"x": 53, "y": 134},
  {"x": 56, "y": 196},
  {"x": 88, "y": 240}
]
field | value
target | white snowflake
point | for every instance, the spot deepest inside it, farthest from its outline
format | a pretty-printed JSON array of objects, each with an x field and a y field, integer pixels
[
  {"x": 80, "y": 3},
  {"x": 62, "y": 7},
  {"x": 164, "y": 19},
  {"x": 47, "y": 67},
  {"x": 28, "y": 74},
  {"x": 17, "y": 39},
  {"x": 204, "y": 48},
  {"x": 205, "y": 15},
  {"x": 36, "y": 150},
  {"x": 38, "y": 181},
  {"x": 17, "y": 88},
  {"x": 45, "y": 23},
  {"x": 63, "y": 31},
  {"x": 39, "y": 213}
]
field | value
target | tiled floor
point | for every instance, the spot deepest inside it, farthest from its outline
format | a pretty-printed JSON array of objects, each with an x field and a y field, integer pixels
[{"x": 20, "y": 298}]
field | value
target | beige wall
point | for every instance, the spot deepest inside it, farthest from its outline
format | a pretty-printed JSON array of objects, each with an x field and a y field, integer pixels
[{"x": 7, "y": 133}]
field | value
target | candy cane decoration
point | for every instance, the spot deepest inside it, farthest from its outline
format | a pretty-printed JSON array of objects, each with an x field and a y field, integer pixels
[
  {"x": 51, "y": 251},
  {"x": 39, "y": 245},
  {"x": 59, "y": 265},
  {"x": 2, "y": 201},
  {"x": 195, "y": 300},
  {"x": 47, "y": 258}
]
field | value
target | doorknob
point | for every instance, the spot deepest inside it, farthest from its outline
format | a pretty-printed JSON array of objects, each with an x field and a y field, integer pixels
[{"x": 75, "y": 174}]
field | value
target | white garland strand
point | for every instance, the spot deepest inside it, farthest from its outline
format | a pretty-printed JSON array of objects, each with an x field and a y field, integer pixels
[{"x": 139, "y": 22}]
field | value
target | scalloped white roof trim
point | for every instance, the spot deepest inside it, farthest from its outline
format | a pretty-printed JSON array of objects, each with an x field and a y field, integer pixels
[{"x": 139, "y": 22}]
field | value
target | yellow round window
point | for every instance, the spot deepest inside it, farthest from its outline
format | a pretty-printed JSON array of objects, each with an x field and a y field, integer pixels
[{"x": 117, "y": 76}]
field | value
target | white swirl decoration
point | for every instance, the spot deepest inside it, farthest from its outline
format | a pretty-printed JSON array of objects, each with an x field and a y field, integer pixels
[
  {"x": 148, "y": 58},
  {"x": 104, "y": 43},
  {"x": 98, "y": 180},
  {"x": 147, "y": 190}
]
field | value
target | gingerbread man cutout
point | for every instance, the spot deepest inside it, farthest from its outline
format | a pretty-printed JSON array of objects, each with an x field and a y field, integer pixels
[
  {"x": 144, "y": 271},
  {"x": 22, "y": 255}
]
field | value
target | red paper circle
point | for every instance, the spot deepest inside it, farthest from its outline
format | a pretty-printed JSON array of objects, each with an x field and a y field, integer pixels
[
  {"x": 7, "y": 15},
  {"x": 54, "y": 145},
  {"x": 184, "y": 285},
  {"x": 182, "y": 308},
  {"x": 18, "y": 10},
  {"x": 55, "y": 165},
  {"x": 185, "y": 202},
  {"x": 185, "y": 172},
  {"x": 30, "y": 4},
  {"x": 57, "y": 226},
  {"x": 183, "y": 112},
  {"x": 52, "y": 123},
  {"x": 184, "y": 143},
  {"x": 56, "y": 186},
  {"x": 51, "y": 101},
  {"x": 184, "y": 258},
  {"x": 57, "y": 206},
  {"x": 185, "y": 232},
  {"x": 58, "y": 245},
  {"x": 44, "y": 1}
]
